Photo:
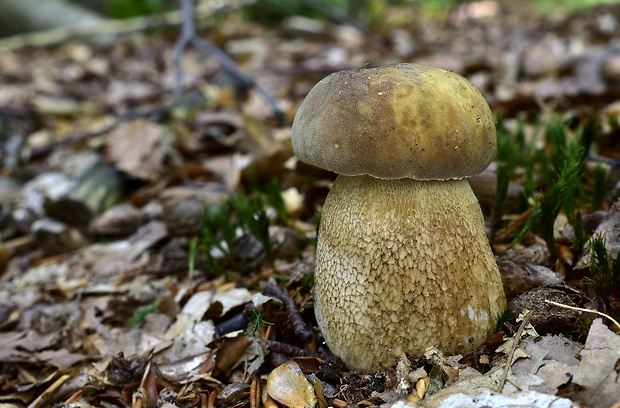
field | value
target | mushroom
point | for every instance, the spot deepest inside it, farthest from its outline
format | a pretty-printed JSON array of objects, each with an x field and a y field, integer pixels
[{"x": 402, "y": 260}]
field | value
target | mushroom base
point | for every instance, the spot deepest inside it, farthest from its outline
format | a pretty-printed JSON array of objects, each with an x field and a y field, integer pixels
[{"x": 403, "y": 265}]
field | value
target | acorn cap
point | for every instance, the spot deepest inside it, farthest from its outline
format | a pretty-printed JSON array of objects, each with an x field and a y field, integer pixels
[{"x": 397, "y": 121}]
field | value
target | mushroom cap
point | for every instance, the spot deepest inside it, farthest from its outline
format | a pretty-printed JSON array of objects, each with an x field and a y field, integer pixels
[{"x": 397, "y": 121}]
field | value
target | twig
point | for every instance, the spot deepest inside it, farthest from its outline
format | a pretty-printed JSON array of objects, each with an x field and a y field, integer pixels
[
  {"x": 188, "y": 36},
  {"x": 81, "y": 137},
  {"x": 187, "y": 32},
  {"x": 299, "y": 326},
  {"x": 58, "y": 35},
  {"x": 289, "y": 350},
  {"x": 510, "y": 355},
  {"x": 583, "y": 310},
  {"x": 41, "y": 399},
  {"x": 74, "y": 139}
]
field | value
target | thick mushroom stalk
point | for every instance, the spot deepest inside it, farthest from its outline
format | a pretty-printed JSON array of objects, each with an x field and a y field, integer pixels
[
  {"x": 402, "y": 260},
  {"x": 403, "y": 265}
]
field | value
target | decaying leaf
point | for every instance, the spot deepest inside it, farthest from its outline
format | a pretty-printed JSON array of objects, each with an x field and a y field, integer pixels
[
  {"x": 484, "y": 397},
  {"x": 599, "y": 371},
  {"x": 138, "y": 148},
  {"x": 288, "y": 385}
]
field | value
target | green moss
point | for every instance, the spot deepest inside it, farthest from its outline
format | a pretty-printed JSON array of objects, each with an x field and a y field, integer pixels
[{"x": 243, "y": 213}]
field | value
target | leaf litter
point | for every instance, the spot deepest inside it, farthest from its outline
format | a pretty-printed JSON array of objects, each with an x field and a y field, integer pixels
[{"x": 115, "y": 319}]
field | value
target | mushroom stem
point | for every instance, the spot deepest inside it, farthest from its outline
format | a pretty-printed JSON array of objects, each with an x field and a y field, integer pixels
[{"x": 403, "y": 265}]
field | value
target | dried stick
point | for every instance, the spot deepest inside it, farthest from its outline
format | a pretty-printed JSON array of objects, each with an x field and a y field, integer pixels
[
  {"x": 510, "y": 355},
  {"x": 289, "y": 350},
  {"x": 74, "y": 139},
  {"x": 299, "y": 326},
  {"x": 188, "y": 36},
  {"x": 579, "y": 309},
  {"x": 58, "y": 35},
  {"x": 40, "y": 400}
]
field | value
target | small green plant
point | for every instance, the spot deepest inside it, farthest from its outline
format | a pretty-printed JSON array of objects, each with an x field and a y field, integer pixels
[
  {"x": 563, "y": 180},
  {"x": 502, "y": 319},
  {"x": 435, "y": 383},
  {"x": 604, "y": 276},
  {"x": 317, "y": 224},
  {"x": 580, "y": 233},
  {"x": 560, "y": 195},
  {"x": 511, "y": 147},
  {"x": 134, "y": 8},
  {"x": 613, "y": 122},
  {"x": 218, "y": 231},
  {"x": 256, "y": 322},
  {"x": 282, "y": 278},
  {"x": 240, "y": 214},
  {"x": 581, "y": 328},
  {"x": 193, "y": 250},
  {"x": 308, "y": 282},
  {"x": 599, "y": 186},
  {"x": 139, "y": 316}
]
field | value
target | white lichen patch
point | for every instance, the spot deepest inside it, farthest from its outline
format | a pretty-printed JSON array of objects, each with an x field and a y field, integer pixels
[{"x": 471, "y": 313}]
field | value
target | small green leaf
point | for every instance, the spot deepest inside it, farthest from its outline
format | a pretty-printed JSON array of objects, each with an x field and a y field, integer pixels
[{"x": 139, "y": 316}]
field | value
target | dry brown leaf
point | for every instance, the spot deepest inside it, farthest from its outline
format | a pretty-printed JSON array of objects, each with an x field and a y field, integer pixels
[
  {"x": 138, "y": 148},
  {"x": 598, "y": 371},
  {"x": 288, "y": 385}
]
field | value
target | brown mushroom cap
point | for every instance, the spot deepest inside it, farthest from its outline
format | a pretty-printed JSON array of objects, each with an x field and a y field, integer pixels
[{"x": 398, "y": 121}]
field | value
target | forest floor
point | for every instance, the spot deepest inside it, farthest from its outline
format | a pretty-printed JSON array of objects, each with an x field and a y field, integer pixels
[{"x": 157, "y": 237}]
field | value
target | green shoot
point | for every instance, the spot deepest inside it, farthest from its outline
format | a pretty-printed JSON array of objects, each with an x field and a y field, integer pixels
[
  {"x": 240, "y": 214},
  {"x": 256, "y": 322},
  {"x": 588, "y": 133},
  {"x": 217, "y": 231},
  {"x": 270, "y": 193},
  {"x": 605, "y": 272},
  {"x": 193, "y": 249},
  {"x": 502, "y": 319},
  {"x": 317, "y": 224},
  {"x": 510, "y": 148},
  {"x": 273, "y": 197},
  {"x": 436, "y": 382},
  {"x": 575, "y": 219},
  {"x": 529, "y": 185},
  {"x": 613, "y": 122},
  {"x": 282, "y": 278},
  {"x": 307, "y": 282},
  {"x": 599, "y": 186},
  {"x": 581, "y": 328},
  {"x": 139, "y": 316},
  {"x": 560, "y": 194},
  {"x": 555, "y": 143}
]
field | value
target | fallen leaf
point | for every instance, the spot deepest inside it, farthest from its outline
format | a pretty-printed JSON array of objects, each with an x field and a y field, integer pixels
[
  {"x": 138, "y": 148},
  {"x": 598, "y": 371}
]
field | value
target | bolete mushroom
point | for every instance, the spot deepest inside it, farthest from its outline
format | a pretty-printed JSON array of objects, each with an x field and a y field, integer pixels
[{"x": 402, "y": 261}]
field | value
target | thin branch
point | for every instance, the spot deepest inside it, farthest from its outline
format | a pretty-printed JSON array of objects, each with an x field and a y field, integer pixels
[
  {"x": 187, "y": 32},
  {"x": 289, "y": 350},
  {"x": 188, "y": 36},
  {"x": 299, "y": 326},
  {"x": 510, "y": 355},
  {"x": 41, "y": 399},
  {"x": 85, "y": 136},
  {"x": 58, "y": 35},
  {"x": 580, "y": 309},
  {"x": 71, "y": 140}
]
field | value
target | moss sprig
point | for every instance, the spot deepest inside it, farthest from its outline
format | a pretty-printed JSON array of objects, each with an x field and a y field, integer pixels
[{"x": 241, "y": 214}]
